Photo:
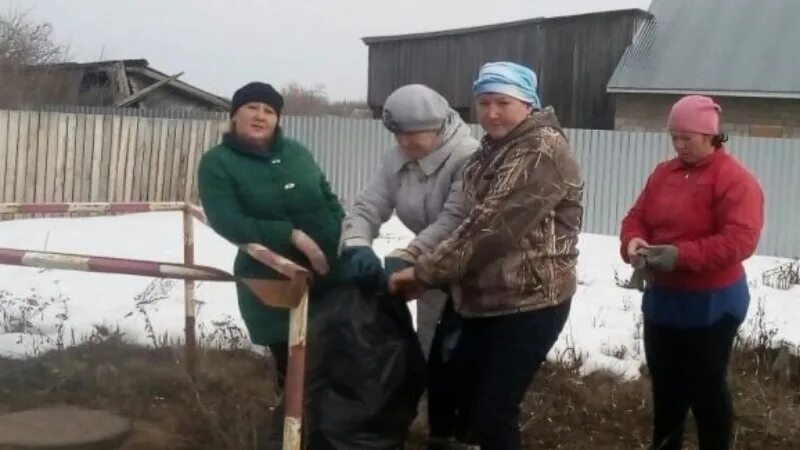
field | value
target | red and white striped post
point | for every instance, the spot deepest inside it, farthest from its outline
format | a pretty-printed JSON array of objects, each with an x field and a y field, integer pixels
[
  {"x": 189, "y": 299},
  {"x": 295, "y": 376}
]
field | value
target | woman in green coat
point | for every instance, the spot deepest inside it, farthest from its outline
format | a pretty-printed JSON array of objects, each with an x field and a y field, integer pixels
[{"x": 259, "y": 186}]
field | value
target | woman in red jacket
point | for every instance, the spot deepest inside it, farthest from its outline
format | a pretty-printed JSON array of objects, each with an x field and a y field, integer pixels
[{"x": 699, "y": 217}]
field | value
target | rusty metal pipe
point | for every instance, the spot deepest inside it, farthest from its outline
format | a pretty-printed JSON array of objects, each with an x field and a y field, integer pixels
[
  {"x": 89, "y": 208},
  {"x": 102, "y": 264}
]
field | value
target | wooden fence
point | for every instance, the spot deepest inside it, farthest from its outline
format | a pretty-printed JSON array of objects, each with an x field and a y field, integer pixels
[
  {"x": 91, "y": 155},
  {"x": 117, "y": 155}
]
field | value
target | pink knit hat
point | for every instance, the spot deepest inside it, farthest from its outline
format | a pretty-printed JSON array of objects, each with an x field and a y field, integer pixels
[{"x": 695, "y": 114}]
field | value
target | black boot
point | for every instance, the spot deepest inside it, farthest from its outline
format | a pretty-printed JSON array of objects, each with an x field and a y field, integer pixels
[{"x": 274, "y": 432}]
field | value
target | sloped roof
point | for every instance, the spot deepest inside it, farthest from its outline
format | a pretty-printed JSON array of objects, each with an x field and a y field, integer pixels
[
  {"x": 747, "y": 48},
  {"x": 182, "y": 86},
  {"x": 370, "y": 40},
  {"x": 142, "y": 67}
]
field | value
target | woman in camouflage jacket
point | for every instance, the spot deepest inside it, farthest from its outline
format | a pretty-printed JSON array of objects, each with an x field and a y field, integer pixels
[{"x": 513, "y": 257}]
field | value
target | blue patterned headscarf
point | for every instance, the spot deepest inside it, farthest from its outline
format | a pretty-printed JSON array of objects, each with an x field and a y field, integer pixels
[{"x": 508, "y": 78}]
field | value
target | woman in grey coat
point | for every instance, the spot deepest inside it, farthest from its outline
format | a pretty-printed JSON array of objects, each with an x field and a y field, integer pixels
[{"x": 420, "y": 181}]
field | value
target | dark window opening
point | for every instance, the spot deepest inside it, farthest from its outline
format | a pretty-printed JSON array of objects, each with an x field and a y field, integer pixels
[{"x": 95, "y": 79}]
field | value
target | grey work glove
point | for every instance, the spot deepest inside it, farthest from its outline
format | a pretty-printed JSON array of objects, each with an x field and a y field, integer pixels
[
  {"x": 640, "y": 279},
  {"x": 663, "y": 258}
]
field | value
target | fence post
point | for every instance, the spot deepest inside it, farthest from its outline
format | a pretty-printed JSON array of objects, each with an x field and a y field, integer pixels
[
  {"x": 295, "y": 376},
  {"x": 189, "y": 293}
]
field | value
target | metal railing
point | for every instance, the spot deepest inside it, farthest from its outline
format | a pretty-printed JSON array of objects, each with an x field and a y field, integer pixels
[{"x": 291, "y": 293}]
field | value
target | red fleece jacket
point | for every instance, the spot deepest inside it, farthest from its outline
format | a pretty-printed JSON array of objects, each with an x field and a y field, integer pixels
[{"x": 713, "y": 211}]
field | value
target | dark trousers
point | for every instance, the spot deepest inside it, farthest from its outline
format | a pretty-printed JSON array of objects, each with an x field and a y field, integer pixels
[
  {"x": 689, "y": 369},
  {"x": 443, "y": 417},
  {"x": 280, "y": 357},
  {"x": 496, "y": 361}
]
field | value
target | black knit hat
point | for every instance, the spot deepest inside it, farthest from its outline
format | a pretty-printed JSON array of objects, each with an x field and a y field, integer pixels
[{"x": 257, "y": 91}]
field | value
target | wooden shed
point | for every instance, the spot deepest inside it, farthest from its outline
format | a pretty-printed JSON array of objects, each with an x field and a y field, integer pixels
[
  {"x": 574, "y": 57},
  {"x": 130, "y": 83}
]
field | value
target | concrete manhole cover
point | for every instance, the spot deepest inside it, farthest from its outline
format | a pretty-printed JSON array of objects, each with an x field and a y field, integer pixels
[{"x": 62, "y": 428}]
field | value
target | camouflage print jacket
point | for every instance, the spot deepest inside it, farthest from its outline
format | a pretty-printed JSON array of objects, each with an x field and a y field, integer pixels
[{"x": 517, "y": 248}]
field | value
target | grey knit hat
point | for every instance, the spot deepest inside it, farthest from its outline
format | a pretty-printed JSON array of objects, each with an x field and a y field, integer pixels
[{"x": 415, "y": 107}]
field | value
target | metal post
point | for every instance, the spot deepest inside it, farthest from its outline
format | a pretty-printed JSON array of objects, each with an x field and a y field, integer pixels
[
  {"x": 189, "y": 294},
  {"x": 295, "y": 376}
]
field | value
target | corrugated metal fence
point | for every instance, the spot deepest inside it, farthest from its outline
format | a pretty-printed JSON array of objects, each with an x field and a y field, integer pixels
[{"x": 81, "y": 155}]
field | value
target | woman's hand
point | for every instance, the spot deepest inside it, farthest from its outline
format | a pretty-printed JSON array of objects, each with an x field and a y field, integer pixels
[
  {"x": 405, "y": 282},
  {"x": 663, "y": 258},
  {"x": 311, "y": 250},
  {"x": 634, "y": 251}
]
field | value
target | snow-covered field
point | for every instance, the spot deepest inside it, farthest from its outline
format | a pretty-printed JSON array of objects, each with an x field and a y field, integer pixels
[{"x": 40, "y": 309}]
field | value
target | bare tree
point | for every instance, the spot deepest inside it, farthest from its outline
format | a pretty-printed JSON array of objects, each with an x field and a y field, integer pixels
[
  {"x": 24, "y": 42},
  {"x": 304, "y": 101}
]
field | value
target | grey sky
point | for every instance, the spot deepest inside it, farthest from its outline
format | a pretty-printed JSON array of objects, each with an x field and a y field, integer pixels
[{"x": 221, "y": 44}]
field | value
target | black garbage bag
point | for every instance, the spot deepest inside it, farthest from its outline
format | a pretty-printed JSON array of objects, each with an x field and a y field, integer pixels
[{"x": 366, "y": 371}]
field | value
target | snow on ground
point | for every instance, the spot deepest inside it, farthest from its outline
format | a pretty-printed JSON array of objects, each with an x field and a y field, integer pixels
[{"x": 40, "y": 309}]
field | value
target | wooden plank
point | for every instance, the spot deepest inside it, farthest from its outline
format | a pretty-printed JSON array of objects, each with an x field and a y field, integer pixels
[
  {"x": 144, "y": 92},
  {"x": 210, "y": 136},
  {"x": 170, "y": 172},
  {"x": 32, "y": 138},
  {"x": 223, "y": 127},
  {"x": 52, "y": 157},
  {"x": 184, "y": 159},
  {"x": 116, "y": 146},
  {"x": 185, "y": 155},
  {"x": 121, "y": 79},
  {"x": 130, "y": 158},
  {"x": 148, "y": 171},
  {"x": 122, "y": 157},
  {"x": 146, "y": 146},
  {"x": 169, "y": 157},
  {"x": 41, "y": 158},
  {"x": 13, "y": 156},
  {"x": 203, "y": 145},
  {"x": 177, "y": 150},
  {"x": 155, "y": 161},
  {"x": 97, "y": 152},
  {"x": 105, "y": 158},
  {"x": 61, "y": 157},
  {"x": 80, "y": 145},
  {"x": 161, "y": 145},
  {"x": 20, "y": 169},
  {"x": 192, "y": 153},
  {"x": 138, "y": 159},
  {"x": 151, "y": 160},
  {"x": 88, "y": 150},
  {"x": 69, "y": 158},
  {"x": 5, "y": 153},
  {"x": 86, "y": 157}
]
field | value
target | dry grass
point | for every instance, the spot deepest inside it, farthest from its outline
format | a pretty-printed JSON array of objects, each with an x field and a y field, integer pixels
[
  {"x": 228, "y": 406},
  {"x": 599, "y": 412}
]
